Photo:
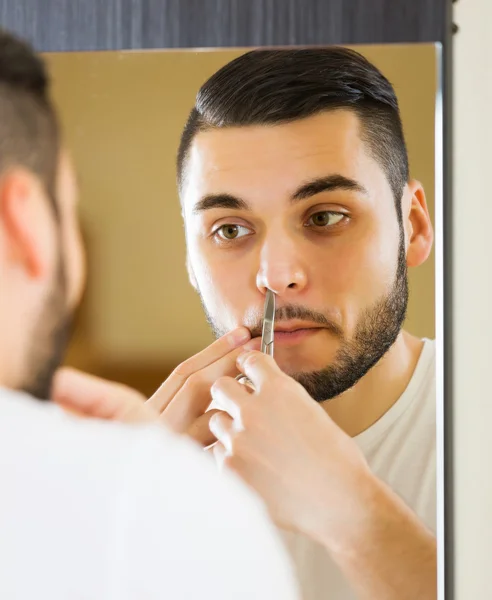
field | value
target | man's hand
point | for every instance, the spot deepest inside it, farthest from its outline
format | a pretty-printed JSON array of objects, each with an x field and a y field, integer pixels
[
  {"x": 284, "y": 445},
  {"x": 180, "y": 403},
  {"x": 89, "y": 396},
  {"x": 314, "y": 479},
  {"x": 183, "y": 399}
]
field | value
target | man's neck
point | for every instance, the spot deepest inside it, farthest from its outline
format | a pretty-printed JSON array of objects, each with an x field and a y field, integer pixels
[{"x": 360, "y": 407}]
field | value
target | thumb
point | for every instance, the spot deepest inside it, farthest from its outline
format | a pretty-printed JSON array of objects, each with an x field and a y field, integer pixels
[{"x": 258, "y": 367}]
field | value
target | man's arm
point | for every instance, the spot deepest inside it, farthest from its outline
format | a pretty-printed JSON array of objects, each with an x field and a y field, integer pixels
[
  {"x": 315, "y": 480},
  {"x": 388, "y": 553}
]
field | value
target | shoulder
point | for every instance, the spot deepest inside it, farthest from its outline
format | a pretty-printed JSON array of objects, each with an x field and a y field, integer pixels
[
  {"x": 207, "y": 523},
  {"x": 169, "y": 518}
]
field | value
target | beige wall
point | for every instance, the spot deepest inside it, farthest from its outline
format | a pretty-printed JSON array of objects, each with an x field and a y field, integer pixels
[
  {"x": 472, "y": 301},
  {"x": 123, "y": 113}
]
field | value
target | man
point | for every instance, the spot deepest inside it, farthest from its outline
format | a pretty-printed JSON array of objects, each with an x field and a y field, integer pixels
[
  {"x": 293, "y": 176},
  {"x": 88, "y": 509}
]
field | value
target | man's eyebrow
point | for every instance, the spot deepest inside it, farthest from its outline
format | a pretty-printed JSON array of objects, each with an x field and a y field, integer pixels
[
  {"x": 220, "y": 201},
  {"x": 330, "y": 183}
]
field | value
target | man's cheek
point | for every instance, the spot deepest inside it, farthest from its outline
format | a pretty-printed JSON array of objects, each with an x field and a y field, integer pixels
[{"x": 362, "y": 269}]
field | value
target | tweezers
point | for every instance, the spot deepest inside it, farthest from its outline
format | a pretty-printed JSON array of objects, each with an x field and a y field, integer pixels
[{"x": 267, "y": 334}]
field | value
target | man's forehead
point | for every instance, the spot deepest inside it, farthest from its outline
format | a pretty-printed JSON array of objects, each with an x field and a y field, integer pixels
[
  {"x": 334, "y": 135},
  {"x": 269, "y": 157}
]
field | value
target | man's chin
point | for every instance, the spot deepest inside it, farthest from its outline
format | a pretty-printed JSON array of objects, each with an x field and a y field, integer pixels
[
  {"x": 304, "y": 359},
  {"x": 298, "y": 369}
]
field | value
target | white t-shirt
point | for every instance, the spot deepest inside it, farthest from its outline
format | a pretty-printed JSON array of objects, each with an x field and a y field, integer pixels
[
  {"x": 91, "y": 510},
  {"x": 401, "y": 450}
]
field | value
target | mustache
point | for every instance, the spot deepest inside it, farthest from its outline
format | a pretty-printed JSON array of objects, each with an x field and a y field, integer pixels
[{"x": 296, "y": 312}]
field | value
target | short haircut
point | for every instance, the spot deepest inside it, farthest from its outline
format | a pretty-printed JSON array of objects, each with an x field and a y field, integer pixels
[
  {"x": 268, "y": 87},
  {"x": 29, "y": 131}
]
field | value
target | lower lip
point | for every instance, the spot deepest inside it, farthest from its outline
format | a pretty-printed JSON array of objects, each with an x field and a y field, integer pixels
[{"x": 295, "y": 336}]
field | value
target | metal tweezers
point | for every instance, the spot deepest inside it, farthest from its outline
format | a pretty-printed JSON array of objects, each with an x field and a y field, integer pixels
[{"x": 267, "y": 334}]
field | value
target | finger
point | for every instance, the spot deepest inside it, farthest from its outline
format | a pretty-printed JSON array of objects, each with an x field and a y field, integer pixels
[
  {"x": 258, "y": 367},
  {"x": 222, "y": 426},
  {"x": 88, "y": 395},
  {"x": 199, "y": 430},
  {"x": 229, "y": 396},
  {"x": 74, "y": 388},
  {"x": 135, "y": 413},
  {"x": 211, "y": 354},
  {"x": 220, "y": 454},
  {"x": 253, "y": 344},
  {"x": 194, "y": 398},
  {"x": 209, "y": 451},
  {"x": 74, "y": 385}
]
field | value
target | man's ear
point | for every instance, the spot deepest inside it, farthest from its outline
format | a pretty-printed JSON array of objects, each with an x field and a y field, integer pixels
[
  {"x": 418, "y": 226},
  {"x": 22, "y": 221},
  {"x": 191, "y": 274}
]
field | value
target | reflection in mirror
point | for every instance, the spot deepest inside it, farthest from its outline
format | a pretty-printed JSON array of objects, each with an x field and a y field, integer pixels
[{"x": 293, "y": 175}]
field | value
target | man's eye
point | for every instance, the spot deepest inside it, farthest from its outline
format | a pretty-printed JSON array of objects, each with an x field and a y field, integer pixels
[
  {"x": 325, "y": 218},
  {"x": 231, "y": 232}
]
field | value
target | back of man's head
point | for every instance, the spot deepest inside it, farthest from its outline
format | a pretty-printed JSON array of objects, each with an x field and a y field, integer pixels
[
  {"x": 34, "y": 307},
  {"x": 29, "y": 134}
]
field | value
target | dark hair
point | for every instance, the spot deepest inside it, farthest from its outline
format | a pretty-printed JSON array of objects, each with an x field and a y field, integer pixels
[
  {"x": 266, "y": 87},
  {"x": 29, "y": 132}
]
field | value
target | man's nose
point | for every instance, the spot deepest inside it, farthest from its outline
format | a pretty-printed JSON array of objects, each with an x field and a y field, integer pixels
[{"x": 281, "y": 268}]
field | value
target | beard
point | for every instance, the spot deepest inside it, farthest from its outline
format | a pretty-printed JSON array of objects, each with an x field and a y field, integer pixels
[
  {"x": 49, "y": 341},
  {"x": 376, "y": 331}
]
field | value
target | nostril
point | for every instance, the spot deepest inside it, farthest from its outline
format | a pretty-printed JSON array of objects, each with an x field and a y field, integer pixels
[{"x": 291, "y": 285}]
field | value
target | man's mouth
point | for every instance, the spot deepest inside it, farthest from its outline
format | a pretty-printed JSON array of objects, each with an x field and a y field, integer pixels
[{"x": 294, "y": 333}]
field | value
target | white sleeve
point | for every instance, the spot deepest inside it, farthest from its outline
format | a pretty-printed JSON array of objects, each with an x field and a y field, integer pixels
[{"x": 182, "y": 530}]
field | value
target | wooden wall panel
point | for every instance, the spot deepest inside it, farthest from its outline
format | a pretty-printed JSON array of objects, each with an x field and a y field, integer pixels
[{"x": 60, "y": 25}]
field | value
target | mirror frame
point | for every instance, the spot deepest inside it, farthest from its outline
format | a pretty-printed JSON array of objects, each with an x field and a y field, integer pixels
[{"x": 90, "y": 25}]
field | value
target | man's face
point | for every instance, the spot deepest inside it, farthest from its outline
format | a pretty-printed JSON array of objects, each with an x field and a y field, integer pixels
[
  {"x": 51, "y": 329},
  {"x": 305, "y": 210}
]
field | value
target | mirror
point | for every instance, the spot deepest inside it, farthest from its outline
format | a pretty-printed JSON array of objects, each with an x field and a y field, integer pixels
[{"x": 123, "y": 114}]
